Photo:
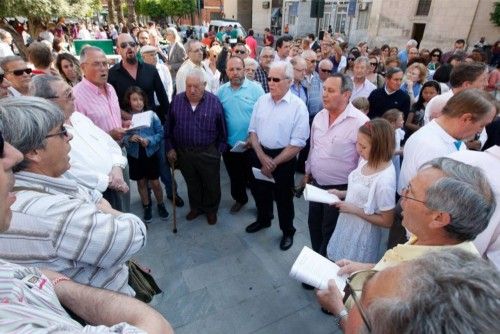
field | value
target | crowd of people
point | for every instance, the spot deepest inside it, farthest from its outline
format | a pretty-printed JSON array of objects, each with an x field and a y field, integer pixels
[{"x": 408, "y": 140}]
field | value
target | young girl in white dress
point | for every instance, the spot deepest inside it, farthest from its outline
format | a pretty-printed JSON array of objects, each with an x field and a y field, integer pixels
[{"x": 367, "y": 211}]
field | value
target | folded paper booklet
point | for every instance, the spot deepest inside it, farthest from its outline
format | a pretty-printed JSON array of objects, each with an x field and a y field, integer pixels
[
  {"x": 314, "y": 269},
  {"x": 141, "y": 120},
  {"x": 315, "y": 194},
  {"x": 259, "y": 176},
  {"x": 239, "y": 147}
]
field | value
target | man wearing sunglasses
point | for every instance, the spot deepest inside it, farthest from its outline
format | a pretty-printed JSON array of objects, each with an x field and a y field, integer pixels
[
  {"x": 42, "y": 293},
  {"x": 278, "y": 129},
  {"x": 441, "y": 292},
  {"x": 18, "y": 73}
]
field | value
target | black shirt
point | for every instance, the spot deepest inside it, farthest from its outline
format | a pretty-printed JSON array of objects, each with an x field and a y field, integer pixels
[
  {"x": 380, "y": 102},
  {"x": 147, "y": 79}
]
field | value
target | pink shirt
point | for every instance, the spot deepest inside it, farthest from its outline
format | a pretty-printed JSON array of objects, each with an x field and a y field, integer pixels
[
  {"x": 102, "y": 109},
  {"x": 252, "y": 44},
  {"x": 333, "y": 152}
]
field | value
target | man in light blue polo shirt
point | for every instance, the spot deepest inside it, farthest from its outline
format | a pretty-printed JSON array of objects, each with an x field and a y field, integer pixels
[{"x": 238, "y": 97}]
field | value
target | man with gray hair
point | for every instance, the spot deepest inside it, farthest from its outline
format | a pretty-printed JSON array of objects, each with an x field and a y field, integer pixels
[
  {"x": 266, "y": 57},
  {"x": 195, "y": 137},
  {"x": 332, "y": 156},
  {"x": 194, "y": 49},
  {"x": 18, "y": 73},
  {"x": 96, "y": 159},
  {"x": 325, "y": 68},
  {"x": 362, "y": 86},
  {"x": 278, "y": 129},
  {"x": 442, "y": 292},
  {"x": 403, "y": 54}
]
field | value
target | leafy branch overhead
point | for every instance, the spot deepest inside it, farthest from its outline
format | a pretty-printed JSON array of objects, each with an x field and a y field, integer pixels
[{"x": 495, "y": 15}]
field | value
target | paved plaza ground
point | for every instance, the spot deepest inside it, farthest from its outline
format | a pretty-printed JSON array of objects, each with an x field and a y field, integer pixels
[{"x": 220, "y": 279}]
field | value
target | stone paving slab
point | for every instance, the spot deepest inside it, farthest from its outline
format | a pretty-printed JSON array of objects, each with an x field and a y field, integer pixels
[{"x": 220, "y": 279}]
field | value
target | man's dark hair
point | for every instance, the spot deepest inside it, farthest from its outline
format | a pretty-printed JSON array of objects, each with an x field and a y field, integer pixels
[
  {"x": 39, "y": 54},
  {"x": 311, "y": 36},
  {"x": 460, "y": 41},
  {"x": 280, "y": 41},
  {"x": 250, "y": 32},
  {"x": 466, "y": 72},
  {"x": 391, "y": 71}
]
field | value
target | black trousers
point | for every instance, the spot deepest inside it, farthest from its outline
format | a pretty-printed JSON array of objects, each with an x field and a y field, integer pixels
[
  {"x": 282, "y": 192},
  {"x": 114, "y": 198},
  {"x": 239, "y": 171},
  {"x": 200, "y": 167},
  {"x": 322, "y": 220}
]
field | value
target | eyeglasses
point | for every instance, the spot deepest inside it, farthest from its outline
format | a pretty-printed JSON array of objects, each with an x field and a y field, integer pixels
[
  {"x": 406, "y": 191},
  {"x": 274, "y": 79},
  {"x": 18, "y": 73},
  {"x": 355, "y": 283},
  {"x": 98, "y": 64},
  {"x": 267, "y": 56},
  {"x": 436, "y": 55},
  {"x": 124, "y": 45},
  {"x": 241, "y": 52},
  {"x": 325, "y": 70},
  {"x": 63, "y": 133},
  {"x": 373, "y": 64},
  {"x": 196, "y": 50}
]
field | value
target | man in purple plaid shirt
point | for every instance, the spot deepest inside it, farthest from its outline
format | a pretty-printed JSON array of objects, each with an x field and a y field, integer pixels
[{"x": 195, "y": 137}]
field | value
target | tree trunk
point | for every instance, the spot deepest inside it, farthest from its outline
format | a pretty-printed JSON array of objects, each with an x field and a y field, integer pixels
[
  {"x": 132, "y": 17},
  {"x": 119, "y": 10},
  {"x": 111, "y": 12}
]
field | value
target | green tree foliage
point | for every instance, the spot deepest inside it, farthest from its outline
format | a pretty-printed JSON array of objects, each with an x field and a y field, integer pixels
[
  {"x": 495, "y": 15},
  {"x": 165, "y": 8}
]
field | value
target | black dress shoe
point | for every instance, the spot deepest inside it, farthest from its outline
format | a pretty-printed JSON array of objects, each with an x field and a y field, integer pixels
[
  {"x": 254, "y": 227},
  {"x": 307, "y": 286},
  {"x": 178, "y": 200},
  {"x": 286, "y": 242}
]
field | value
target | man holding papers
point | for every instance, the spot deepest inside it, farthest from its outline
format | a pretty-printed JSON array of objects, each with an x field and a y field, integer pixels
[
  {"x": 278, "y": 131},
  {"x": 238, "y": 96},
  {"x": 332, "y": 155}
]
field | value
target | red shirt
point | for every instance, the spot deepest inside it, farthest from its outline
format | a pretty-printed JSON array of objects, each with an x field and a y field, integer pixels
[{"x": 252, "y": 44}]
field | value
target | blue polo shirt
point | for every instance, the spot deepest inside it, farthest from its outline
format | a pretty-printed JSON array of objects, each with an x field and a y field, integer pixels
[{"x": 238, "y": 106}]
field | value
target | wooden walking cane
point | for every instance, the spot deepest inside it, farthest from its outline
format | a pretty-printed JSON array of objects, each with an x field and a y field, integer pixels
[{"x": 174, "y": 195}]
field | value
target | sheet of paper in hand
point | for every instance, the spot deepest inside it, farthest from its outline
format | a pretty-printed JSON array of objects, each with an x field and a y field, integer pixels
[
  {"x": 239, "y": 147},
  {"x": 259, "y": 176},
  {"x": 315, "y": 194},
  {"x": 141, "y": 120},
  {"x": 313, "y": 269}
]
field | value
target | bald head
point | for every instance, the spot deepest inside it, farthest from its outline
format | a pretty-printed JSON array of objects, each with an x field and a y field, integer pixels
[{"x": 127, "y": 49}]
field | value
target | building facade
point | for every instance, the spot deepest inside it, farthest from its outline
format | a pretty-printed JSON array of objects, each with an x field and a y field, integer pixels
[{"x": 434, "y": 23}]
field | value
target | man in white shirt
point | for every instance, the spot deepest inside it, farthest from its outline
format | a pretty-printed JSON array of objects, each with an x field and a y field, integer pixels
[
  {"x": 149, "y": 56},
  {"x": 362, "y": 86},
  {"x": 278, "y": 129},
  {"x": 488, "y": 241},
  {"x": 96, "y": 159},
  {"x": 195, "y": 56},
  {"x": 5, "y": 43},
  {"x": 465, "y": 114},
  {"x": 283, "y": 45}
]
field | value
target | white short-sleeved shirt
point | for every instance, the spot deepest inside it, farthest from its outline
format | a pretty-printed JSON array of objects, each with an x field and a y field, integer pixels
[
  {"x": 282, "y": 123},
  {"x": 488, "y": 241},
  {"x": 436, "y": 105},
  {"x": 429, "y": 142}
]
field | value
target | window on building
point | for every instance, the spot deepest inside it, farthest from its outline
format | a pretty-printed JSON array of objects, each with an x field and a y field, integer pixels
[
  {"x": 423, "y": 7},
  {"x": 363, "y": 17}
]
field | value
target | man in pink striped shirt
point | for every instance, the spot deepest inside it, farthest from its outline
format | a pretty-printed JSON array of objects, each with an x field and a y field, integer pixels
[
  {"x": 332, "y": 155},
  {"x": 94, "y": 97}
]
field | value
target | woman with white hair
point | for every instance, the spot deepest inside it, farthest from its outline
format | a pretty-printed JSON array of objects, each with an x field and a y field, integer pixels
[
  {"x": 251, "y": 66},
  {"x": 176, "y": 52}
]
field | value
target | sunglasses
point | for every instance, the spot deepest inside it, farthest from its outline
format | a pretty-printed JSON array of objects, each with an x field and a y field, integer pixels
[
  {"x": 325, "y": 70},
  {"x": 312, "y": 61},
  {"x": 124, "y": 45},
  {"x": 436, "y": 55},
  {"x": 63, "y": 133},
  {"x": 241, "y": 52},
  {"x": 18, "y": 73},
  {"x": 1, "y": 78},
  {"x": 373, "y": 64},
  {"x": 274, "y": 79}
]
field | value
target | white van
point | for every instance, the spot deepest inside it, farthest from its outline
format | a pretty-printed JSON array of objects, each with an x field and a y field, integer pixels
[{"x": 217, "y": 25}]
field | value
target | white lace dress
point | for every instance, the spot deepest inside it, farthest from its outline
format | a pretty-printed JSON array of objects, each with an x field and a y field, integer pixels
[{"x": 354, "y": 238}]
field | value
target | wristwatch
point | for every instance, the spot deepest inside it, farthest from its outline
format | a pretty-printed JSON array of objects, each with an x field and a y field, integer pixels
[{"x": 342, "y": 314}]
